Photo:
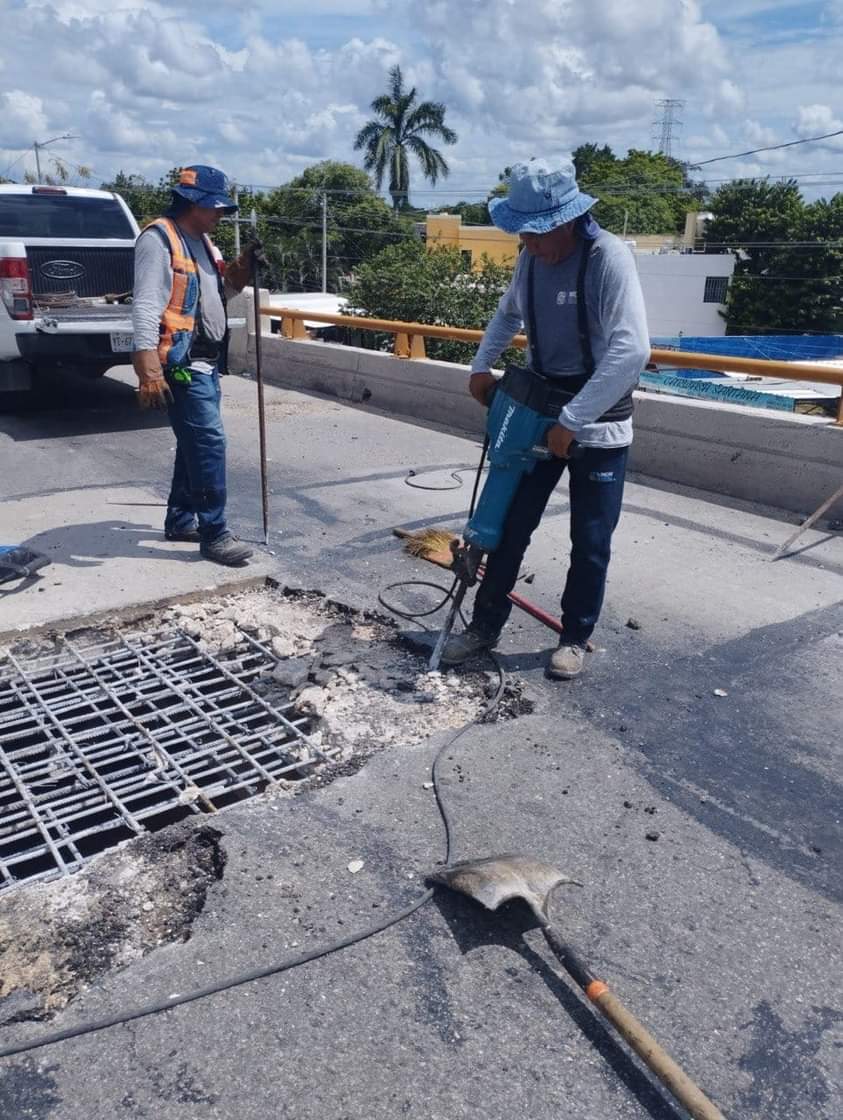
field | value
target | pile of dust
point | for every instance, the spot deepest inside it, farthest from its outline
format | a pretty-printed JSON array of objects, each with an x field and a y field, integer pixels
[
  {"x": 56, "y": 938},
  {"x": 363, "y": 686}
]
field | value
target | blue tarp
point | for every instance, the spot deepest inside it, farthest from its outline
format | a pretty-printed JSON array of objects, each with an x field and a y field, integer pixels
[{"x": 787, "y": 347}]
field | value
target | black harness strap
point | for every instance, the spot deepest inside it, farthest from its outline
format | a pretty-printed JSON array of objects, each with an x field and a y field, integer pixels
[
  {"x": 562, "y": 390},
  {"x": 582, "y": 311}
]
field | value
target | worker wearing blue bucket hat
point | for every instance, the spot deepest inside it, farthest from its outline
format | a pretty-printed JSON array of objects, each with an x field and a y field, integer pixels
[
  {"x": 575, "y": 288},
  {"x": 181, "y": 345}
]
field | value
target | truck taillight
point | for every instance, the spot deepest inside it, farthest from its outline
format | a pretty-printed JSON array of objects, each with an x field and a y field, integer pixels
[{"x": 16, "y": 287}]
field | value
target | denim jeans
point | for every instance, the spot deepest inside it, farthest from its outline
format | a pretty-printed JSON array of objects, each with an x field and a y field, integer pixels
[
  {"x": 596, "y": 493},
  {"x": 198, "y": 488}
]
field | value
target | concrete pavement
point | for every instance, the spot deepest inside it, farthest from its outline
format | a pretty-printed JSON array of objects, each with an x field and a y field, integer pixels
[{"x": 722, "y": 934}]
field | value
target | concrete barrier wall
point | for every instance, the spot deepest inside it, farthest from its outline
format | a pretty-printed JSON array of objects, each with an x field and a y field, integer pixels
[{"x": 791, "y": 462}]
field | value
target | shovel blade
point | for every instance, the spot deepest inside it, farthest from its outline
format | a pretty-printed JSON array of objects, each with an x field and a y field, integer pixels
[{"x": 494, "y": 880}]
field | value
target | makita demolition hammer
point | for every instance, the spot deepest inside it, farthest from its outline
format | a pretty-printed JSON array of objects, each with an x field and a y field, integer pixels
[{"x": 524, "y": 406}]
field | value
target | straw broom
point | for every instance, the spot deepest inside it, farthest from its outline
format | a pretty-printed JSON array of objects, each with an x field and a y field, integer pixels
[{"x": 435, "y": 546}]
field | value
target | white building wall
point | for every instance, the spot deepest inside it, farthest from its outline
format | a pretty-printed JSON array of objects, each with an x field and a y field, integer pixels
[{"x": 674, "y": 287}]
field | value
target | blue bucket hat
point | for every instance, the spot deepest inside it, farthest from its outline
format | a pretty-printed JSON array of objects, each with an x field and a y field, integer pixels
[
  {"x": 541, "y": 197},
  {"x": 204, "y": 186}
]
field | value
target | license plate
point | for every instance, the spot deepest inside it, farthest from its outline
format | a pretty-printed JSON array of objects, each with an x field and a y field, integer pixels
[{"x": 122, "y": 341}]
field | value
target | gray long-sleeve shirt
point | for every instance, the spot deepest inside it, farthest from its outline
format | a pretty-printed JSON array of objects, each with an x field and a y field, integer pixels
[
  {"x": 154, "y": 282},
  {"x": 617, "y": 321}
]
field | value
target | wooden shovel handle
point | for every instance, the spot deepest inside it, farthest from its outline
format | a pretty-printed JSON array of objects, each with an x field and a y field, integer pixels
[
  {"x": 636, "y": 1034},
  {"x": 652, "y": 1054}
]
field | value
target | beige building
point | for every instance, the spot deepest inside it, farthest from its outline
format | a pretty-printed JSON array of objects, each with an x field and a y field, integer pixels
[
  {"x": 477, "y": 241},
  {"x": 684, "y": 291},
  {"x": 474, "y": 241}
]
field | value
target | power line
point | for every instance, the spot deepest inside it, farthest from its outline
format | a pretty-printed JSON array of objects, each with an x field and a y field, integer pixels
[{"x": 771, "y": 148}]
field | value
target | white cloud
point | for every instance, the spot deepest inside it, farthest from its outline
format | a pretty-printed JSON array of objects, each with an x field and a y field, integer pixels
[
  {"x": 757, "y": 133},
  {"x": 22, "y": 119},
  {"x": 816, "y": 120},
  {"x": 267, "y": 91}
]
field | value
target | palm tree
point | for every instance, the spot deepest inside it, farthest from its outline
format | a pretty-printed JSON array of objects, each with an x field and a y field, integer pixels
[{"x": 399, "y": 129}]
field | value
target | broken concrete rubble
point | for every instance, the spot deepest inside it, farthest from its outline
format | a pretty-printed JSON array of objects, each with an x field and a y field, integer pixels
[
  {"x": 363, "y": 686},
  {"x": 356, "y": 686},
  {"x": 57, "y": 938}
]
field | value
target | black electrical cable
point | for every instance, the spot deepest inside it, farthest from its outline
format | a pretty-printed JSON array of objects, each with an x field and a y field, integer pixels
[
  {"x": 160, "y": 1006},
  {"x": 455, "y": 475}
]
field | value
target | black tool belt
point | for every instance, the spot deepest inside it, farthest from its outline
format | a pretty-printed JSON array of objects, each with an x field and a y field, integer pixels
[
  {"x": 549, "y": 395},
  {"x": 207, "y": 349}
]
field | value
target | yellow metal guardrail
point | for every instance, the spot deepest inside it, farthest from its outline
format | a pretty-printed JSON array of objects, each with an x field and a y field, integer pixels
[{"x": 409, "y": 343}]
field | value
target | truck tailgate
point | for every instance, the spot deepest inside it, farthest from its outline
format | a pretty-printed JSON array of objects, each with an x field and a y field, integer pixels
[{"x": 83, "y": 318}]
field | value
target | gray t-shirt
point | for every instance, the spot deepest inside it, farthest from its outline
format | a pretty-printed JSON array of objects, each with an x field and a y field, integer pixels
[
  {"x": 617, "y": 322},
  {"x": 154, "y": 282}
]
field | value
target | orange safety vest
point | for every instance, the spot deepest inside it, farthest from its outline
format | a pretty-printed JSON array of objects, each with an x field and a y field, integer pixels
[{"x": 178, "y": 322}]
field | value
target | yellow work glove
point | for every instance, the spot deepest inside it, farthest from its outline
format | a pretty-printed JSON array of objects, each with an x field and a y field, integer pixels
[{"x": 153, "y": 391}]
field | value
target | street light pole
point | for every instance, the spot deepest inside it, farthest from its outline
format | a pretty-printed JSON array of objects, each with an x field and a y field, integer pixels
[
  {"x": 38, "y": 145},
  {"x": 324, "y": 241}
]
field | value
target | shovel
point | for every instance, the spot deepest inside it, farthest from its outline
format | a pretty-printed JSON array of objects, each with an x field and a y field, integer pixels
[{"x": 498, "y": 879}]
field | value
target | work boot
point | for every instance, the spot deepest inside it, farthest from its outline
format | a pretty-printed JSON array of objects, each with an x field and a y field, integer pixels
[
  {"x": 190, "y": 535},
  {"x": 227, "y": 550},
  {"x": 566, "y": 662},
  {"x": 462, "y": 647}
]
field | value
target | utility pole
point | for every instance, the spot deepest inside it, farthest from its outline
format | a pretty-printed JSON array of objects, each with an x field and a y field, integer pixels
[
  {"x": 37, "y": 146},
  {"x": 324, "y": 241},
  {"x": 237, "y": 223},
  {"x": 664, "y": 127}
]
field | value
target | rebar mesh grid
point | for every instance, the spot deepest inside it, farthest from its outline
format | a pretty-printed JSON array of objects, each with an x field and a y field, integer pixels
[{"x": 102, "y": 740}]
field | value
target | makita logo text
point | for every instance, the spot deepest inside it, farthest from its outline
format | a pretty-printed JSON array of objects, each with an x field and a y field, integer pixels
[{"x": 510, "y": 412}]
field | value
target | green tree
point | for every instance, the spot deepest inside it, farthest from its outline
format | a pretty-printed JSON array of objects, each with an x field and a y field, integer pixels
[
  {"x": 410, "y": 283},
  {"x": 788, "y": 269},
  {"x": 645, "y": 192},
  {"x": 359, "y": 225},
  {"x": 146, "y": 200},
  {"x": 472, "y": 213},
  {"x": 398, "y": 130}
]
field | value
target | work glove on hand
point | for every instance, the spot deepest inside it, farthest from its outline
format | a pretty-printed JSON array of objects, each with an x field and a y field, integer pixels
[
  {"x": 481, "y": 387},
  {"x": 153, "y": 391},
  {"x": 238, "y": 273}
]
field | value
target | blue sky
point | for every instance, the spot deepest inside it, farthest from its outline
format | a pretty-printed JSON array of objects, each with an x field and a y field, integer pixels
[{"x": 267, "y": 90}]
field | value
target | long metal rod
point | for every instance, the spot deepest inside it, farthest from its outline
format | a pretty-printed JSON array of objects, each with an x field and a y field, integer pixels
[
  {"x": 807, "y": 523},
  {"x": 259, "y": 381}
]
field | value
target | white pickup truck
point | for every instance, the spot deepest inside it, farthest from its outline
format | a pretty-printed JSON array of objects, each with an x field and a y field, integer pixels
[{"x": 66, "y": 259}]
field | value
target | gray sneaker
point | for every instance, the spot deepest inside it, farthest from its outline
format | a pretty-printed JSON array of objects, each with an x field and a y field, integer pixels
[
  {"x": 566, "y": 662},
  {"x": 461, "y": 647},
  {"x": 227, "y": 550}
]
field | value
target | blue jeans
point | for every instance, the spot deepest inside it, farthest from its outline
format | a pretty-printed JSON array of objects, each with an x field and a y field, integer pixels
[
  {"x": 198, "y": 489},
  {"x": 596, "y": 493}
]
